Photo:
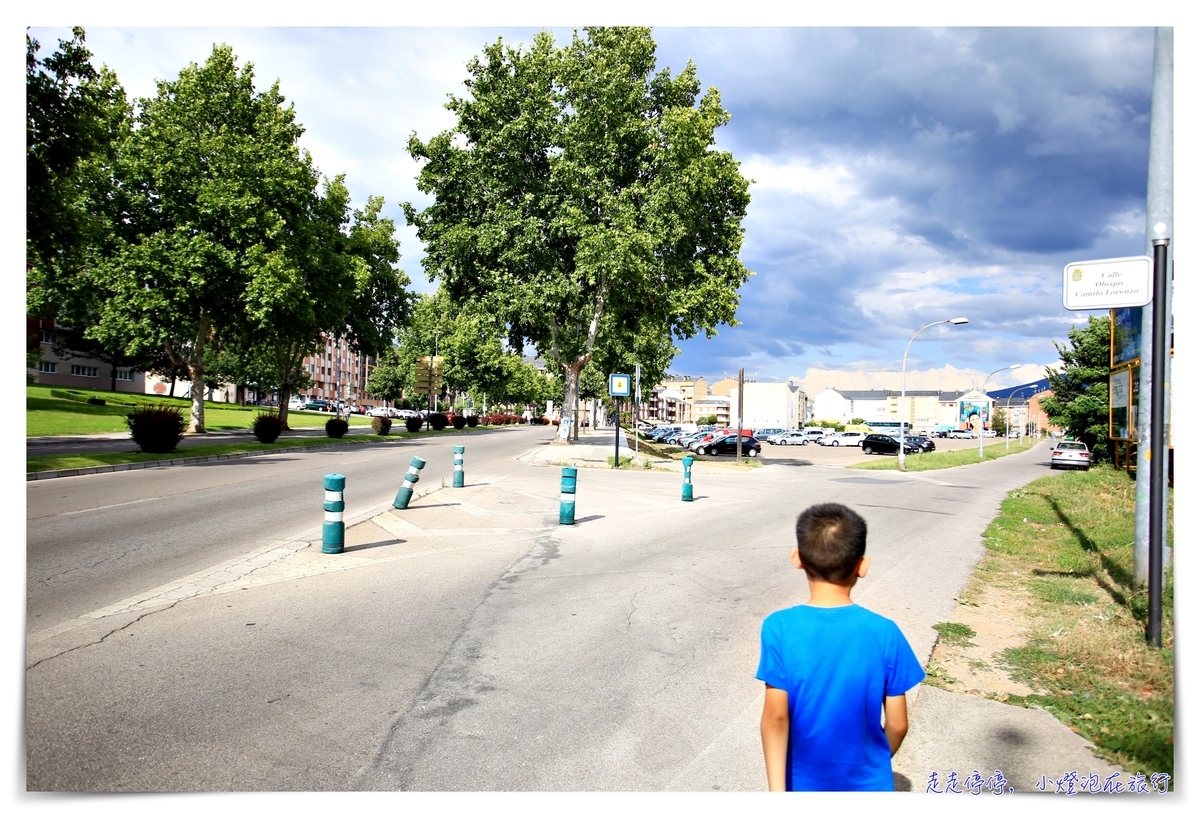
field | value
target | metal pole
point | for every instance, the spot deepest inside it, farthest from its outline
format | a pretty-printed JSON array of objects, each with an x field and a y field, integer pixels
[
  {"x": 617, "y": 435},
  {"x": 1158, "y": 439},
  {"x": 637, "y": 402},
  {"x": 741, "y": 405},
  {"x": 1160, "y": 224}
]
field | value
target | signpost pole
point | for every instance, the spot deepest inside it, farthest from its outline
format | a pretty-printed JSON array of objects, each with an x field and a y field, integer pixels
[
  {"x": 617, "y": 436},
  {"x": 741, "y": 404},
  {"x": 1158, "y": 441}
]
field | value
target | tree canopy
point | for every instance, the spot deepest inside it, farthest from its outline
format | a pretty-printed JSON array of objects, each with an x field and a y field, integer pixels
[
  {"x": 580, "y": 200},
  {"x": 1079, "y": 403}
]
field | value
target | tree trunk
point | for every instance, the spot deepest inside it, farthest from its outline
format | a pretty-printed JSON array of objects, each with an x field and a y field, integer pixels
[
  {"x": 285, "y": 396},
  {"x": 114, "y": 377},
  {"x": 571, "y": 372},
  {"x": 196, "y": 365},
  {"x": 172, "y": 383}
]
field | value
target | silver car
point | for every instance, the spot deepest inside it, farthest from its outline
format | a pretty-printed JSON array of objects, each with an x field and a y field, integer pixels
[
  {"x": 843, "y": 439},
  {"x": 1070, "y": 454}
]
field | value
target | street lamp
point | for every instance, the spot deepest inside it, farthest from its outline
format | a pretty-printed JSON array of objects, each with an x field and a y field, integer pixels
[
  {"x": 982, "y": 391},
  {"x": 1008, "y": 418},
  {"x": 904, "y": 377}
]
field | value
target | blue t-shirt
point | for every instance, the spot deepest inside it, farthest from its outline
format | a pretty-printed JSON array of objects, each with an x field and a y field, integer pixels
[{"x": 837, "y": 665}]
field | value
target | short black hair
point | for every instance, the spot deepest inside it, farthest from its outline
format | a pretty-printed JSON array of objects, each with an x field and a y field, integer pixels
[{"x": 832, "y": 539}]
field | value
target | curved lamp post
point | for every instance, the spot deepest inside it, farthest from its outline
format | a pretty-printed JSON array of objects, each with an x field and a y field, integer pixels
[
  {"x": 983, "y": 391},
  {"x": 904, "y": 378},
  {"x": 1008, "y": 418}
]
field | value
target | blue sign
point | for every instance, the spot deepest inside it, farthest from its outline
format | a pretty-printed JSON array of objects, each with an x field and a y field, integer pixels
[{"x": 618, "y": 386}]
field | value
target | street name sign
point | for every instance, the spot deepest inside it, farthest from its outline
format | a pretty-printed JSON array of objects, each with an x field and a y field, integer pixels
[
  {"x": 618, "y": 386},
  {"x": 1108, "y": 283}
]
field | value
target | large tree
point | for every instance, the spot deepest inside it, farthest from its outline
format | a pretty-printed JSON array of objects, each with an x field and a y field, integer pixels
[
  {"x": 215, "y": 187},
  {"x": 1079, "y": 402},
  {"x": 580, "y": 196}
]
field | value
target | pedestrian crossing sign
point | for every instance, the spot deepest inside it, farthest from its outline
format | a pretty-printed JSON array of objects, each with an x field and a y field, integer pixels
[{"x": 618, "y": 386}]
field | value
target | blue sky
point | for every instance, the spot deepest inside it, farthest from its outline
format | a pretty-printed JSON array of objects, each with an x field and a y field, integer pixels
[{"x": 902, "y": 175}]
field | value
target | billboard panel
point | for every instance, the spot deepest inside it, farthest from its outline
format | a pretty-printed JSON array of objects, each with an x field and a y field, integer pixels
[
  {"x": 1120, "y": 393},
  {"x": 1126, "y": 335},
  {"x": 969, "y": 409}
]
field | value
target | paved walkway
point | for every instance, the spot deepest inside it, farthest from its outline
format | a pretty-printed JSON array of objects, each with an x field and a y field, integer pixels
[{"x": 667, "y": 595}]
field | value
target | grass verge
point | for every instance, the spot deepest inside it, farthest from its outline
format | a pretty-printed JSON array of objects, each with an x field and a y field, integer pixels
[
  {"x": 929, "y": 461},
  {"x": 1062, "y": 547},
  {"x": 48, "y": 415},
  {"x": 58, "y": 462}
]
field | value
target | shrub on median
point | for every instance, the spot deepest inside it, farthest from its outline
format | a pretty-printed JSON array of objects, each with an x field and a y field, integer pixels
[
  {"x": 438, "y": 421},
  {"x": 414, "y": 424},
  {"x": 267, "y": 427},
  {"x": 336, "y": 427},
  {"x": 381, "y": 426},
  {"x": 472, "y": 421},
  {"x": 156, "y": 429},
  {"x": 460, "y": 422}
]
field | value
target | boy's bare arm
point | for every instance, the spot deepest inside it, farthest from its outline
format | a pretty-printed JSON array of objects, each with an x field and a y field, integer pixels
[
  {"x": 775, "y": 726},
  {"x": 895, "y": 720}
]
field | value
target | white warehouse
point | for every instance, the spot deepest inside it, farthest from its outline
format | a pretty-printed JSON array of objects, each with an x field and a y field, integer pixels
[{"x": 773, "y": 405}]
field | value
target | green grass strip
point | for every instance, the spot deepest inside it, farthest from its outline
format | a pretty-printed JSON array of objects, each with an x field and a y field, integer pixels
[
  {"x": 928, "y": 461},
  {"x": 59, "y": 462}
]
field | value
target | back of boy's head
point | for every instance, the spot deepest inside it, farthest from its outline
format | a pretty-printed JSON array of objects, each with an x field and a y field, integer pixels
[{"x": 832, "y": 539}]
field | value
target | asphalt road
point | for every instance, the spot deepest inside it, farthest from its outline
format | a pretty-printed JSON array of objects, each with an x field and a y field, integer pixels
[
  {"x": 98, "y": 538},
  {"x": 486, "y": 649}
]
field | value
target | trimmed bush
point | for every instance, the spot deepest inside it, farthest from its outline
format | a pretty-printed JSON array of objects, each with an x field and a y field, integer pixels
[
  {"x": 96, "y": 401},
  {"x": 156, "y": 429},
  {"x": 336, "y": 427},
  {"x": 460, "y": 422},
  {"x": 267, "y": 427},
  {"x": 413, "y": 424},
  {"x": 472, "y": 421},
  {"x": 438, "y": 421},
  {"x": 381, "y": 426}
]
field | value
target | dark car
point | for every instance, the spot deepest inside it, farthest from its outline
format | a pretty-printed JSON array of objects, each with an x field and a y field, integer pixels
[
  {"x": 886, "y": 444},
  {"x": 925, "y": 443},
  {"x": 318, "y": 404},
  {"x": 728, "y": 445}
]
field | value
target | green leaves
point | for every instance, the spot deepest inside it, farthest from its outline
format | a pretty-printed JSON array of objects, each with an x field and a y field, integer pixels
[
  {"x": 1080, "y": 400},
  {"x": 578, "y": 181}
]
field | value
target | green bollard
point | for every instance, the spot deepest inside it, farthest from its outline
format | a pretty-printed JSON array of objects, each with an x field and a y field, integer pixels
[
  {"x": 566, "y": 500},
  {"x": 687, "y": 478},
  {"x": 458, "y": 467},
  {"x": 333, "y": 530},
  {"x": 405, "y": 493}
]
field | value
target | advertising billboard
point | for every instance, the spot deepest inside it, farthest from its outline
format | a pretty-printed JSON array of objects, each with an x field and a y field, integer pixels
[
  {"x": 970, "y": 409},
  {"x": 1126, "y": 335},
  {"x": 1120, "y": 416}
]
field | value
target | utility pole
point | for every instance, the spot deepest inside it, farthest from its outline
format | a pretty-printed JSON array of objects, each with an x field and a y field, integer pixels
[
  {"x": 637, "y": 403},
  {"x": 1160, "y": 225}
]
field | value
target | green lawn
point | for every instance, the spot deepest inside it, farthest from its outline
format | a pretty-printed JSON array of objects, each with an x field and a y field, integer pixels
[
  {"x": 48, "y": 414},
  {"x": 1066, "y": 542},
  {"x": 946, "y": 460}
]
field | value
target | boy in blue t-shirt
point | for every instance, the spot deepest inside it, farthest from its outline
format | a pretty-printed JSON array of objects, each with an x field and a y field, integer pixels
[{"x": 830, "y": 666}]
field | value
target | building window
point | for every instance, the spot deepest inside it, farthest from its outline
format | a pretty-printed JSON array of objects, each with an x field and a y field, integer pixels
[
  {"x": 46, "y": 366},
  {"x": 124, "y": 374},
  {"x": 85, "y": 371},
  {"x": 49, "y": 337}
]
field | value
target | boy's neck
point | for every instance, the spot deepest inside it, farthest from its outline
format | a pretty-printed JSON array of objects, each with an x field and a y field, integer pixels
[{"x": 824, "y": 594}]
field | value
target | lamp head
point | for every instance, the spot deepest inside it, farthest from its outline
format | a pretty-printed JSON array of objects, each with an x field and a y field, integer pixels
[{"x": 957, "y": 321}]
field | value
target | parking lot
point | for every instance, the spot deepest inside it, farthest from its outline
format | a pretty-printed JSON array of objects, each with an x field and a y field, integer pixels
[{"x": 817, "y": 455}]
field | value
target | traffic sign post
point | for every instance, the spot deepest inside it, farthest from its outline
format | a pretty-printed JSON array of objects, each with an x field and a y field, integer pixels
[{"x": 618, "y": 387}]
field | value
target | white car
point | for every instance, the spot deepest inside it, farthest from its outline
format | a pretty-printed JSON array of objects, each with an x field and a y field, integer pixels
[
  {"x": 989, "y": 432},
  {"x": 792, "y": 438},
  {"x": 1070, "y": 454},
  {"x": 960, "y": 434},
  {"x": 379, "y": 412},
  {"x": 843, "y": 439}
]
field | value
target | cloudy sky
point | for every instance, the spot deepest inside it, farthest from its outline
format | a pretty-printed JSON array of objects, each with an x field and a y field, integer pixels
[{"x": 901, "y": 175}]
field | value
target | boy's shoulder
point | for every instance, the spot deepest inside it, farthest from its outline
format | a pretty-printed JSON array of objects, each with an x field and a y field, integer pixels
[{"x": 843, "y": 616}]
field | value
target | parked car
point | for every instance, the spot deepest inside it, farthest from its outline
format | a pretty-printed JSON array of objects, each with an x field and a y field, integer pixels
[
  {"x": 843, "y": 439},
  {"x": 924, "y": 443},
  {"x": 728, "y": 445},
  {"x": 989, "y": 432},
  {"x": 379, "y": 412},
  {"x": 317, "y": 404},
  {"x": 960, "y": 434},
  {"x": 1070, "y": 454},
  {"x": 765, "y": 433},
  {"x": 886, "y": 444},
  {"x": 296, "y": 402},
  {"x": 816, "y": 432},
  {"x": 792, "y": 438}
]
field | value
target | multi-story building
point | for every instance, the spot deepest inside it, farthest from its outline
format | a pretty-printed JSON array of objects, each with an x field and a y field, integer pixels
[
  {"x": 778, "y": 405},
  {"x": 921, "y": 409},
  {"x": 714, "y": 405},
  {"x": 80, "y": 372},
  {"x": 338, "y": 373}
]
